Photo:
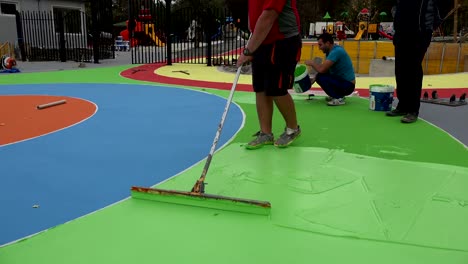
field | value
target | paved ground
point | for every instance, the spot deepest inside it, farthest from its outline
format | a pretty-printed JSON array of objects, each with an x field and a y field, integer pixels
[{"x": 121, "y": 58}]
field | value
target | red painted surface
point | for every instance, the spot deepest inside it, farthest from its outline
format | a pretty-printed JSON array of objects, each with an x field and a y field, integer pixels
[
  {"x": 147, "y": 73},
  {"x": 20, "y": 119}
]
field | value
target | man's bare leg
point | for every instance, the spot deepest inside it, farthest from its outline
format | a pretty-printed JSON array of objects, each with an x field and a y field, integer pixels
[
  {"x": 264, "y": 112},
  {"x": 287, "y": 108}
]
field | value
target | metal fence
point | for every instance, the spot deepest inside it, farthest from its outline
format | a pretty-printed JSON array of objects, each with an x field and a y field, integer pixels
[
  {"x": 147, "y": 33},
  {"x": 62, "y": 35},
  {"x": 159, "y": 34}
]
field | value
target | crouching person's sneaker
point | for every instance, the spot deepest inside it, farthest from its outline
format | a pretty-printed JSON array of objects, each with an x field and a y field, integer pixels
[
  {"x": 260, "y": 140},
  {"x": 288, "y": 137},
  {"x": 336, "y": 102}
]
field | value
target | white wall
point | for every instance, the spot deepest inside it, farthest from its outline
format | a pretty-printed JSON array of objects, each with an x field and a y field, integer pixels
[
  {"x": 46, "y": 5},
  {"x": 8, "y": 29},
  {"x": 49, "y": 38}
]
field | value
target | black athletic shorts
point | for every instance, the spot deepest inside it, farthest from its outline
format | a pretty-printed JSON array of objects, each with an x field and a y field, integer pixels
[{"x": 273, "y": 66}]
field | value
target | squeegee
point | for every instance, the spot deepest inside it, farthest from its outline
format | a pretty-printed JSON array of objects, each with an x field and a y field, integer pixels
[{"x": 197, "y": 196}]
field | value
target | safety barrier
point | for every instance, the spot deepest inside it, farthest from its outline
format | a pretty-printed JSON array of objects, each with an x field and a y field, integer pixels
[{"x": 440, "y": 57}]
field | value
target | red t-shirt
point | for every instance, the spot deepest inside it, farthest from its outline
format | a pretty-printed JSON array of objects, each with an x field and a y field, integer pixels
[{"x": 287, "y": 25}]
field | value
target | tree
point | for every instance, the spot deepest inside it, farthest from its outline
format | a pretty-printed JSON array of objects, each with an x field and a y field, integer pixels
[
  {"x": 309, "y": 11},
  {"x": 120, "y": 10}
]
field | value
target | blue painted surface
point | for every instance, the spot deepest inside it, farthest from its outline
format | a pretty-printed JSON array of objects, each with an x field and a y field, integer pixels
[{"x": 140, "y": 135}]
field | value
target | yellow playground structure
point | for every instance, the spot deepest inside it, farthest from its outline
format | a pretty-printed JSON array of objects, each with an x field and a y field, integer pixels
[
  {"x": 151, "y": 32},
  {"x": 365, "y": 27}
]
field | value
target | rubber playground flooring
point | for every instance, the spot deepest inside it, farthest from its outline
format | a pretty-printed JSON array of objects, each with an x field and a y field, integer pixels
[
  {"x": 356, "y": 187},
  {"x": 213, "y": 77}
]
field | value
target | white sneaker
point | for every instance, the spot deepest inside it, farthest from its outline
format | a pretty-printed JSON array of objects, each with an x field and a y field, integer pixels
[{"x": 336, "y": 102}]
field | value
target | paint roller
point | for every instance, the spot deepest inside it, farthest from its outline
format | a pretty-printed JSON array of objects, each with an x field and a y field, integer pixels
[{"x": 44, "y": 106}]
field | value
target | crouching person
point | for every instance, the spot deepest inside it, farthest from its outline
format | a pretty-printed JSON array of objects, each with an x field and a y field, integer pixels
[{"x": 336, "y": 74}]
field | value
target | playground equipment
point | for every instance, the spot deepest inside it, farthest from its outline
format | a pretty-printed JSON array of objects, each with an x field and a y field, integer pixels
[
  {"x": 384, "y": 34},
  {"x": 142, "y": 34},
  {"x": 366, "y": 27},
  {"x": 320, "y": 27},
  {"x": 144, "y": 30},
  {"x": 375, "y": 31},
  {"x": 150, "y": 30},
  {"x": 363, "y": 16},
  {"x": 362, "y": 30},
  {"x": 340, "y": 33},
  {"x": 384, "y": 28}
]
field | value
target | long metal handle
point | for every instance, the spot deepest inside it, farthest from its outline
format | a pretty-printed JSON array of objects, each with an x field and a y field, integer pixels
[{"x": 199, "y": 186}]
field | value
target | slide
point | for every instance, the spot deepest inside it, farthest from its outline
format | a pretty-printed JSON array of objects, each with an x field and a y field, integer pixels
[
  {"x": 383, "y": 34},
  {"x": 359, "y": 35},
  {"x": 150, "y": 31}
]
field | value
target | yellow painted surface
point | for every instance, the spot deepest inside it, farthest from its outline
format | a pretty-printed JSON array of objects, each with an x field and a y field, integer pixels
[
  {"x": 440, "y": 81},
  {"x": 201, "y": 73},
  {"x": 213, "y": 74},
  {"x": 440, "y": 64}
]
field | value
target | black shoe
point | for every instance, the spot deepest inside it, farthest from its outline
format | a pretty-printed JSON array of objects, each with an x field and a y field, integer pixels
[
  {"x": 409, "y": 118},
  {"x": 395, "y": 112}
]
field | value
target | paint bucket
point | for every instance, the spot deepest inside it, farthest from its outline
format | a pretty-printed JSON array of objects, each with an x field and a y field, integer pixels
[
  {"x": 381, "y": 97},
  {"x": 302, "y": 81}
]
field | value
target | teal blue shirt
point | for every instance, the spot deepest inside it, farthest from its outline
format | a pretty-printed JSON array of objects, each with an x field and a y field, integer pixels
[{"x": 342, "y": 64}]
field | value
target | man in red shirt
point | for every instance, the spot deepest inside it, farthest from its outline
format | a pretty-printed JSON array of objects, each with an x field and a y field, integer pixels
[{"x": 274, "y": 49}]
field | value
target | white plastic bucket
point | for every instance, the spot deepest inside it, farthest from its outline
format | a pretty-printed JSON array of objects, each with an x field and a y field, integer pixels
[
  {"x": 302, "y": 81},
  {"x": 381, "y": 97}
]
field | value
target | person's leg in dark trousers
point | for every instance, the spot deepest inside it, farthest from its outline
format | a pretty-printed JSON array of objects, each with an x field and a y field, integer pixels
[
  {"x": 409, "y": 54},
  {"x": 414, "y": 95}
]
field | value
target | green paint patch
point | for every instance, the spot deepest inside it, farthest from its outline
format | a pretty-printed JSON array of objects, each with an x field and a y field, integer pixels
[
  {"x": 355, "y": 129},
  {"x": 332, "y": 192},
  {"x": 94, "y": 75}
]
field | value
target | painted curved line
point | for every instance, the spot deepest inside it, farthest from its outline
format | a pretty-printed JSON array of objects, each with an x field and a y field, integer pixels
[
  {"x": 220, "y": 148},
  {"x": 63, "y": 128},
  {"x": 441, "y": 129},
  {"x": 118, "y": 202},
  {"x": 148, "y": 74},
  {"x": 446, "y": 132},
  {"x": 195, "y": 88}
]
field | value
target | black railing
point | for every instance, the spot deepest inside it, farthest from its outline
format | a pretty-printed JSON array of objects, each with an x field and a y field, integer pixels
[
  {"x": 147, "y": 31},
  {"x": 188, "y": 35},
  {"x": 62, "y": 35}
]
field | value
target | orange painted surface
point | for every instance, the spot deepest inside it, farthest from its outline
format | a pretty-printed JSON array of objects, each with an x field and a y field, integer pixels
[{"x": 20, "y": 119}]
